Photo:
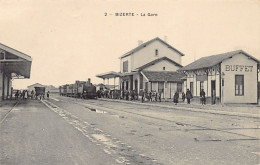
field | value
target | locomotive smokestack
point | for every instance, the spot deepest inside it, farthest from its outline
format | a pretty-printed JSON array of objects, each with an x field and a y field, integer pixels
[{"x": 89, "y": 80}]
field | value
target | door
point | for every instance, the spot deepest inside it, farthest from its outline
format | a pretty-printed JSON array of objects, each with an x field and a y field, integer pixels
[
  {"x": 191, "y": 88},
  {"x": 123, "y": 85},
  {"x": 136, "y": 85},
  {"x": 146, "y": 86},
  {"x": 126, "y": 85},
  {"x": 161, "y": 88},
  {"x": 213, "y": 91}
]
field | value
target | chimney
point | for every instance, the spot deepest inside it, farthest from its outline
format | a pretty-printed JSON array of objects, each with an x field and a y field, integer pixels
[
  {"x": 140, "y": 42},
  {"x": 165, "y": 38}
]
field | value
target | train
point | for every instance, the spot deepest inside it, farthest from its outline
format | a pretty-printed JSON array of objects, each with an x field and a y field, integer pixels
[{"x": 80, "y": 89}]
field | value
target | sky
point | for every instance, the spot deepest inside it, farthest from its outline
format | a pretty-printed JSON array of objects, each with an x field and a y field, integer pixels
[{"x": 72, "y": 40}]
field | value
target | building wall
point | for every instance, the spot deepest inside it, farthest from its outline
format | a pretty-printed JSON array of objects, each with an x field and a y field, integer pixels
[
  {"x": 1, "y": 84},
  {"x": 159, "y": 66},
  {"x": 7, "y": 91},
  {"x": 127, "y": 58},
  {"x": 250, "y": 79},
  {"x": 147, "y": 54},
  {"x": 227, "y": 92}
]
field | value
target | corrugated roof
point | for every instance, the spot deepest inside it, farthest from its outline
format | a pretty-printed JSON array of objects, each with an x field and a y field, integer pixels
[
  {"x": 156, "y": 61},
  {"x": 16, "y": 62},
  {"x": 207, "y": 62},
  {"x": 147, "y": 43},
  {"x": 110, "y": 74},
  {"x": 164, "y": 76},
  {"x": 36, "y": 85},
  {"x": 15, "y": 52}
]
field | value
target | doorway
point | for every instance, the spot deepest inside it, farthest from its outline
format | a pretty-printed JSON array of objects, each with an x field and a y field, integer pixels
[
  {"x": 213, "y": 92},
  {"x": 191, "y": 88},
  {"x": 136, "y": 85}
]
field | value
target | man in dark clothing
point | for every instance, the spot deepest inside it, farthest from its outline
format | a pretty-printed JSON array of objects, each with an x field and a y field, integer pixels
[
  {"x": 202, "y": 97},
  {"x": 188, "y": 96},
  {"x": 127, "y": 95},
  {"x": 176, "y": 97},
  {"x": 48, "y": 95},
  {"x": 16, "y": 94},
  {"x": 160, "y": 96}
]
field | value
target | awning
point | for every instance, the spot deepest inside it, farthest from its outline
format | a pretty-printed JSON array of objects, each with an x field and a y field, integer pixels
[
  {"x": 163, "y": 76},
  {"x": 110, "y": 74},
  {"x": 16, "y": 63}
]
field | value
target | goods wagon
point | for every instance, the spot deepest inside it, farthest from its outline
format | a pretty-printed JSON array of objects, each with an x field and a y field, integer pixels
[{"x": 63, "y": 90}]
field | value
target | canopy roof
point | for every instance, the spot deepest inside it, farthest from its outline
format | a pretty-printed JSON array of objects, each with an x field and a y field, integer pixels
[
  {"x": 110, "y": 74},
  {"x": 14, "y": 62},
  {"x": 164, "y": 76}
]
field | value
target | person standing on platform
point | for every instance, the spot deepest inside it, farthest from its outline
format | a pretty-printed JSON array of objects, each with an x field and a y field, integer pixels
[
  {"x": 188, "y": 96},
  {"x": 203, "y": 97},
  {"x": 160, "y": 96},
  {"x": 48, "y": 95},
  {"x": 25, "y": 94},
  {"x": 176, "y": 97},
  {"x": 183, "y": 96}
]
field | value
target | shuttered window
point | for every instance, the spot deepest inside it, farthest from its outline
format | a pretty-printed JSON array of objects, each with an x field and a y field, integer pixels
[
  {"x": 239, "y": 85},
  {"x": 125, "y": 66}
]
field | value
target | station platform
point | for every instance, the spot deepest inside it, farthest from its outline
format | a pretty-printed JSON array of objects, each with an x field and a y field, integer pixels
[{"x": 248, "y": 110}]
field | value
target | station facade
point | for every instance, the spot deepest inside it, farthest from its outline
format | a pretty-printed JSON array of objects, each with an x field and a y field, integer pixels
[
  {"x": 13, "y": 65},
  {"x": 230, "y": 77},
  {"x": 153, "y": 66}
]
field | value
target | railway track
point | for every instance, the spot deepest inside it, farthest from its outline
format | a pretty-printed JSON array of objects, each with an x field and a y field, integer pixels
[
  {"x": 8, "y": 112},
  {"x": 92, "y": 106}
]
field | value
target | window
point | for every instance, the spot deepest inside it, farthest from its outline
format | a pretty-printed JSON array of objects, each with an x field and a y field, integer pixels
[
  {"x": 239, "y": 85},
  {"x": 156, "y": 52},
  {"x": 163, "y": 68},
  {"x": 125, "y": 66},
  {"x": 201, "y": 85},
  {"x": 179, "y": 87}
]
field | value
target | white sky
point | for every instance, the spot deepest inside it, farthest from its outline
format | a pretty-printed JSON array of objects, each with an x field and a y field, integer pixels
[{"x": 72, "y": 40}]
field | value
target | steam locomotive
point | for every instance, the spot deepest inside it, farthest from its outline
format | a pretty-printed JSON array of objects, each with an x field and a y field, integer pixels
[{"x": 80, "y": 89}]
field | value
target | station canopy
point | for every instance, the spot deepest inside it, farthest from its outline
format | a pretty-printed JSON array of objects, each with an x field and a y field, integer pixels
[
  {"x": 14, "y": 62},
  {"x": 110, "y": 74}
]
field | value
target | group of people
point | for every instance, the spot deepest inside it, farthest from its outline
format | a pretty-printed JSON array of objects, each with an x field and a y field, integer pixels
[
  {"x": 130, "y": 95},
  {"x": 25, "y": 94},
  {"x": 118, "y": 94},
  {"x": 187, "y": 96},
  {"x": 149, "y": 96}
]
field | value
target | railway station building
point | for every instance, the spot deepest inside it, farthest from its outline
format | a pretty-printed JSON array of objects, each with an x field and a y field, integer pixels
[
  {"x": 13, "y": 65},
  {"x": 230, "y": 77},
  {"x": 150, "y": 66}
]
